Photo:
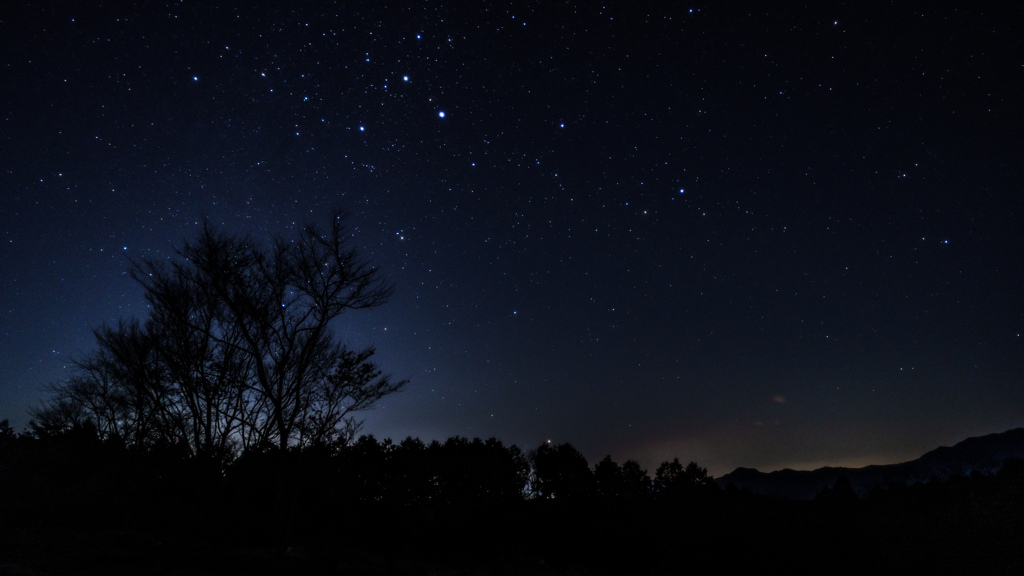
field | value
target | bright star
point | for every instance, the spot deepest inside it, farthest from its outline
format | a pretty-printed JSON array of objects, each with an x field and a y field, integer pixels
[{"x": 440, "y": 114}]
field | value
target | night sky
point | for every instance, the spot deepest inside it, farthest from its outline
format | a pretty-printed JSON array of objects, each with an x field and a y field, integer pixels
[{"x": 772, "y": 237}]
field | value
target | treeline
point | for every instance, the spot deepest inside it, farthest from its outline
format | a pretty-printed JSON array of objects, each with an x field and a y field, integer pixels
[
  {"x": 370, "y": 498},
  {"x": 403, "y": 474},
  {"x": 74, "y": 498}
]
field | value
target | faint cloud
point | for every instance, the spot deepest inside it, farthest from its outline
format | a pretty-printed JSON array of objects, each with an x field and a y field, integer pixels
[{"x": 779, "y": 399}]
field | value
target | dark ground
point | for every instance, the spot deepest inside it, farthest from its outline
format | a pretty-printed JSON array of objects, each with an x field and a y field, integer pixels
[{"x": 78, "y": 507}]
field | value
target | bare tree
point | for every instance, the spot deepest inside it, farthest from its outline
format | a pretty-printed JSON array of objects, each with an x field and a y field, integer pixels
[
  {"x": 200, "y": 353},
  {"x": 280, "y": 304},
  {"x": 238, "y": 349},
  {"x": 354, "y": 383},
  {"x": 117, "y": 388}
]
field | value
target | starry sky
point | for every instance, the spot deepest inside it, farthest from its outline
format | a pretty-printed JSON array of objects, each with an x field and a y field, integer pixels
[{"x": 768, "y": 236}]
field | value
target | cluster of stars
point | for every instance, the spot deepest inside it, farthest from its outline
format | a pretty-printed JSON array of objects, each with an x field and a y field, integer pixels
[{"x": 606, "y": 197}]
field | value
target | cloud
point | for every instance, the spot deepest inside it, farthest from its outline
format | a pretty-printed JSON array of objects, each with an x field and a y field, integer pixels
[{"x": 779, "y": 399}]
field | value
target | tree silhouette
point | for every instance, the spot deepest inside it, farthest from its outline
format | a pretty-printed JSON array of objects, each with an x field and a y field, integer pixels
[
  {"x": 478, "y": 471},
  {"x": 672, "y": 480},
  {"x": 636, "y": 483},
  {"x": 839, "y": 495},
  {"x": 608, "y": 478},
  {"x": 560, "y": 472},
  {"x": 238, "y": 350}
]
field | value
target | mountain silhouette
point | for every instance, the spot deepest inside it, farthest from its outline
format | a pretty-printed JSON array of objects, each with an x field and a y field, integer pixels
[{"x": 982, "y": 454}]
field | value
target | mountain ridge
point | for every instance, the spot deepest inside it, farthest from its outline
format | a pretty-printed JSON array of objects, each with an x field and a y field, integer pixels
[{"x": 984, "y": 454}]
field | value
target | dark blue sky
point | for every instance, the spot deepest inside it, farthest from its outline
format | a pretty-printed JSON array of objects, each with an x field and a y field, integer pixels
[{"x": 772, "y": 236}]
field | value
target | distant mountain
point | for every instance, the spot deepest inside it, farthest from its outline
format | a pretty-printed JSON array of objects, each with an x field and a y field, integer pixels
[{"x": 984, "y": 454}]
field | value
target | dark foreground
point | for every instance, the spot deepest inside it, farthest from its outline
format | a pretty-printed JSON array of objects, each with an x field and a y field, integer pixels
[
  {"x": 959, "y": 536},
  {"x": 84, "y": 510}
]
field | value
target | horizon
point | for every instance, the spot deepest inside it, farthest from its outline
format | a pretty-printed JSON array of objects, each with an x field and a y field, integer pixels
[{"x": 651, "y": 464}]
